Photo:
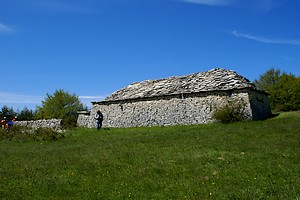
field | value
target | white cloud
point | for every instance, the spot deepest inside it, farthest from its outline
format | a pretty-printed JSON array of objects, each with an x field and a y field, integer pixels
[
  {"x": 268, "y": 5},
  {"x": 88, "y": 99},
  {"x": 91, "y": 97},
  {"x": 18, "y": 98},
  {"x": 6, "y": 97},
  {"x": 19, "y": 101},
  {"x": 6, "y": 29},
  {"x": 264, "y": 39},
  {"x": 209, "y": 2},
  {"x": 262, "y": 5}
]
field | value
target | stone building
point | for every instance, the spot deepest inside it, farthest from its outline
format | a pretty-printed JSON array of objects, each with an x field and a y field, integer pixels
[{"x": 179, "y": 100}]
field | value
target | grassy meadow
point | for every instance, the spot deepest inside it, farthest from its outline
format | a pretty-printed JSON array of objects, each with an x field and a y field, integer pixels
[{"x": 245, "y": 160}]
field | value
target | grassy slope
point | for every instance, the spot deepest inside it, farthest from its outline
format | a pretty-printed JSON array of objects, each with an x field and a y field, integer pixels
[{"x": 249, "y": 160}]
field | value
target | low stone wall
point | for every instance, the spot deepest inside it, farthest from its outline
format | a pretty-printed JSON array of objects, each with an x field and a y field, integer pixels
[
  {"x": 182, "y": 109},
  {"x": 86, "y": 121},
  {"x": 54, "y": 124}
]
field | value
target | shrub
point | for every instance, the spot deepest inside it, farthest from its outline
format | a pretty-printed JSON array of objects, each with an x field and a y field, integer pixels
[
  {"x": 25, "y": 134},
  {"x": 68, "y": 123},
  {"x": 47, "y": 134},
  {"x": 232, "y": 111},
  {"x": 16, "y": 132}
]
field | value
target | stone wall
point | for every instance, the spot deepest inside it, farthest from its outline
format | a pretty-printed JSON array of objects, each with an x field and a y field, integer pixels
[
  {"x": 54, "y": 124},
  {"x": 182, "y": 109},
  {"x": 259, "y": 105},
  {"x": 86, "y": 121}
]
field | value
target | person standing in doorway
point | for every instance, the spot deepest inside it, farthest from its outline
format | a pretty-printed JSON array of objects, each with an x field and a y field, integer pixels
[{"x": 99, "y": 119}]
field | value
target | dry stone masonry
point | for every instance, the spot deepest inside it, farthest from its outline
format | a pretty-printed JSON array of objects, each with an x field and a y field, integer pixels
[
  {"x": 54, "y": 124},
  {"x": 181, "y": 100}
]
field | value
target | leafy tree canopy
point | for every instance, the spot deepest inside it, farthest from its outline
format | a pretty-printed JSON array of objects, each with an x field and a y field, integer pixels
[
  {"x": 7, "y": 112},
  {"x": 60, "y": 105},
  {"x": 283, "y": 89},
  {"x": 268, "y": 80},
  {"x": 26, "y": 114}
]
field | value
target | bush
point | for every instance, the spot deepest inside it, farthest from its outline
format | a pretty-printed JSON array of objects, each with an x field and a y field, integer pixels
[
  {"x": 16, "y": 132},
  {"x": 25, "y": 134},
  {"x": 47, "y": 134},
  {"x": 68, "y": 123},
  {"x": 231, "y": 112}
]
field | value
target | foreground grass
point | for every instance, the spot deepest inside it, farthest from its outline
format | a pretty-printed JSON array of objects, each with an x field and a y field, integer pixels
[{"x": 249, "y": 160}]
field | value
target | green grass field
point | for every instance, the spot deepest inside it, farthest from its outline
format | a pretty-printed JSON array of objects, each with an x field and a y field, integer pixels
[{"x": 246, "y": 160}]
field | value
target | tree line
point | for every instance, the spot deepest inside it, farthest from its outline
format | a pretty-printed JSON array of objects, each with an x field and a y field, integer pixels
[
  {"x": 60, "y": 105},
  {"x": 283, "y": 89}
]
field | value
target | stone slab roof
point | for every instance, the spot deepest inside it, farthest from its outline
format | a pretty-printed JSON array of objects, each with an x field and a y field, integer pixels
[{"x": 213, "y": 80}]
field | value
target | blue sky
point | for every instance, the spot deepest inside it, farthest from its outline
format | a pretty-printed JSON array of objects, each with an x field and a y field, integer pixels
[{"x": 95, "y": 47}]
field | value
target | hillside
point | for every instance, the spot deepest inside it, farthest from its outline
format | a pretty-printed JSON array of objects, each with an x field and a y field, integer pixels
[{"x": 248, "y": 160}]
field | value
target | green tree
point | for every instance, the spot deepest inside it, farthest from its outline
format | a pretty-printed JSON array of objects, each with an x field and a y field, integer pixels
[
  {"x": 26, "y": 114},
  {"x": 268, "y": 80},
  {"x": 283, "y": 89},
  {"x": 7, "y": 112},
  {"x": 60, "y": 105},
  {"x": 286, "y": 95}
]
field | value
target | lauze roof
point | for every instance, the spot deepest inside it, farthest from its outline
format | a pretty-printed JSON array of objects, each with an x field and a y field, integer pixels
[{"x": 213, "y": 80}]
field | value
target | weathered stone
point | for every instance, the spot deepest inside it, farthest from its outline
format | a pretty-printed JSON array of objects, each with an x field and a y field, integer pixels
[
  {"x": 183, "y": 100},
  {"x": 54, "y": 124}
]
